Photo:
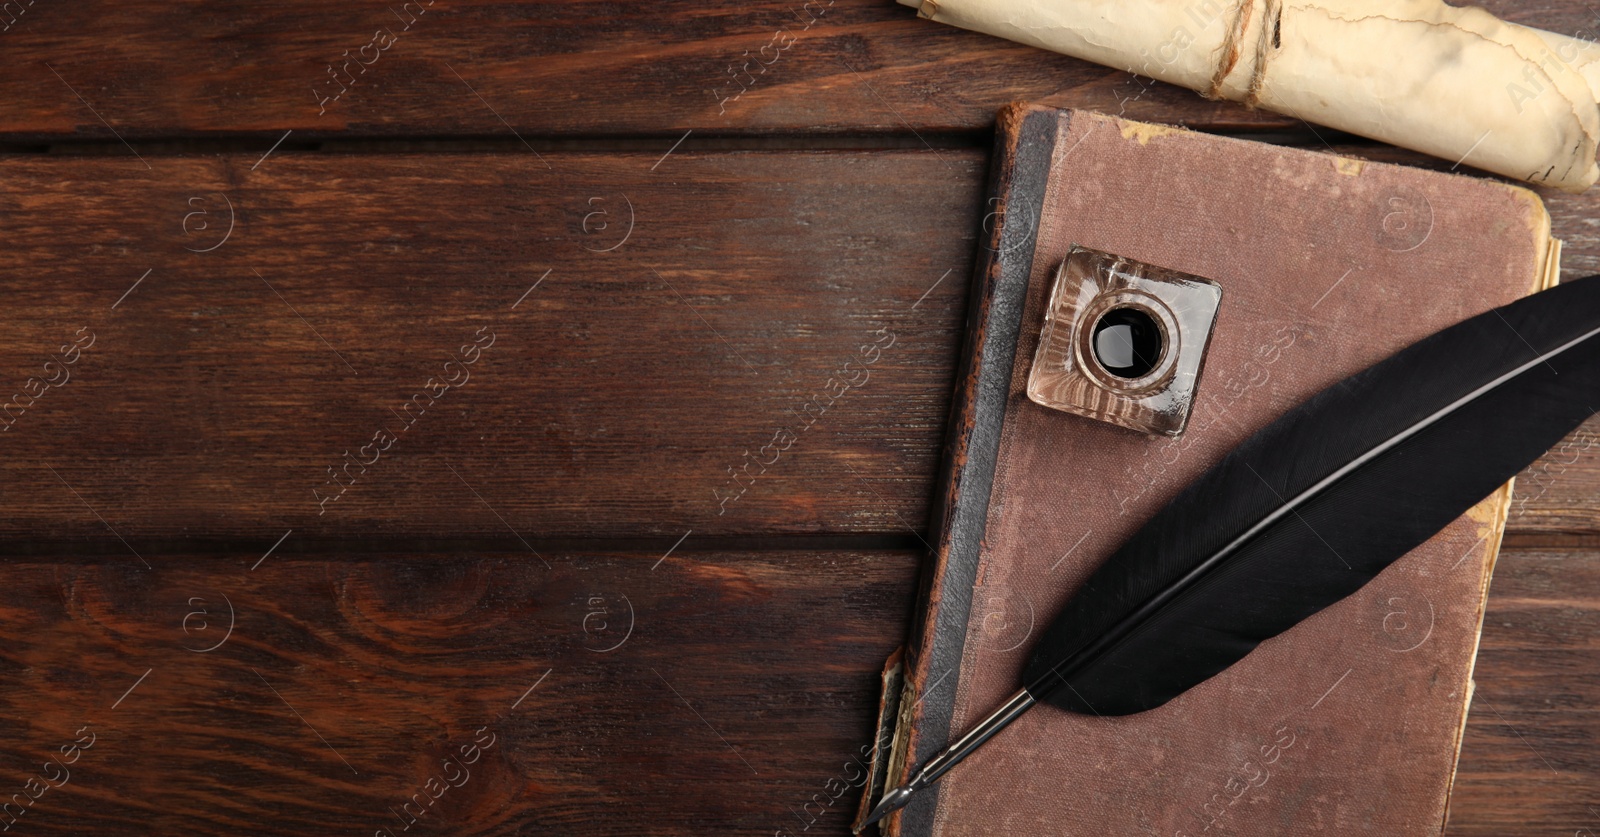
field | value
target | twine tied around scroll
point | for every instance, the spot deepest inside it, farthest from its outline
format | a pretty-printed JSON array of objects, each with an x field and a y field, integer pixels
[{"x": 1265, "y": 42}]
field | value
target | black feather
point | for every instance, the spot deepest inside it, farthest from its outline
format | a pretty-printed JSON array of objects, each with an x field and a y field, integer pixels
[{"x": 1315, "y": 505}]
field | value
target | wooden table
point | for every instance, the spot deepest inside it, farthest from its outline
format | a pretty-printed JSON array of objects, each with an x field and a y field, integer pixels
[{"x": 389, "y": 364}]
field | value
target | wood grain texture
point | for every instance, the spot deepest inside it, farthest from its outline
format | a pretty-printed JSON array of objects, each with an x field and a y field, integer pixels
[
  {"x": 460, "y": 67},
  {"x": 397, "y": 660},
  {"x": 552, "y": 68},
  {"x": 1528, "y": 761},
  {"x": 617, "y": 395},
  {"x": 682, "y": 320},
  {"x": 712, "y": 693}
]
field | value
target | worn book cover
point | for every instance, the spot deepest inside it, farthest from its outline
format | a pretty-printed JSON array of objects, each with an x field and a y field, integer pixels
[{"x": 1349, "y": 723}]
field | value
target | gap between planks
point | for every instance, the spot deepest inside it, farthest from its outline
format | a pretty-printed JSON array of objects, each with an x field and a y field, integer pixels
[{"x": 699, "y": 140}]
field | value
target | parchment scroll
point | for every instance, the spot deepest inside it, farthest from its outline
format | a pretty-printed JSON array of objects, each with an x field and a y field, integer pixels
[{"x": 1457, "y": 83}]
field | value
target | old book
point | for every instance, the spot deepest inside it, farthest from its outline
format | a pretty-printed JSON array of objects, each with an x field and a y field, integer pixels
[{"x": 1349, "y": 723}]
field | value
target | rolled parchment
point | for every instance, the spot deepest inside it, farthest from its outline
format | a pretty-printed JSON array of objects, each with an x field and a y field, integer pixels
[{"x": 1457, "y": 83}]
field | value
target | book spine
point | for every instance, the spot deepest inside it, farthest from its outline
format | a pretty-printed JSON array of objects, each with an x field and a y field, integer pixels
[{"x": 1019, "y": 170}]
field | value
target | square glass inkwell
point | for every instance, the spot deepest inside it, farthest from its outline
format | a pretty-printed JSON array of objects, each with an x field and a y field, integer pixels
[{"x": 1123, "y": 342}]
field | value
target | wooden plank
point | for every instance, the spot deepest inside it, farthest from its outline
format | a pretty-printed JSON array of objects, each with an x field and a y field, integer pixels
[
  {"x": 460, "y": 67},
  {"x": 485, "y": 68},
  {"x": 226, "y": 693},
  {"x": 397, "y": 660},
  {"x": 1529, "y": 764},
  {"x": 729, "y": 343},
  {"x": 709, "y": 692},
  {"x": 619, "y": 394}
]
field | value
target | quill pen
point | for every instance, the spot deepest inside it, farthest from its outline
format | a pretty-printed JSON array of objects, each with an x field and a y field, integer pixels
[{"x": 1309, "y": 509}]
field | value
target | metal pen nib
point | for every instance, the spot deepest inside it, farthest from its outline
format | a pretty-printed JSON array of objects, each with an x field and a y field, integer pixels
[
  {"x": 950, "y": 756},
  {"x": 892, "y": 801}
]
